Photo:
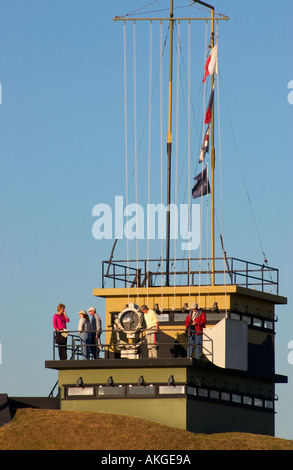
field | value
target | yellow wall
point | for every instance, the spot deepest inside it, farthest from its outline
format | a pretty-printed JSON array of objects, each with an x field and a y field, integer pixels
[
  {"x": 169, "y": 298},
  {"x": 171, "y": 412}
]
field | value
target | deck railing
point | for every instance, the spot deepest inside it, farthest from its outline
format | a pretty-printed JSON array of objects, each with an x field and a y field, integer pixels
[
  {"x": 118, "y": 345},
  {"x": 172, "y": 339},
  {"x": 190, "y": 272}
]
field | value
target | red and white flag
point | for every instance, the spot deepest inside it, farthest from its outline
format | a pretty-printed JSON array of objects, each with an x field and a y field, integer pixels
[
  {"x": 211, "y": 65},
  {"x": 205, "y": 145}
]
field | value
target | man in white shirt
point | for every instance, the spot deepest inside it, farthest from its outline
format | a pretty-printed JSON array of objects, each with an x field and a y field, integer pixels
[{"x": 152, "y": 326}]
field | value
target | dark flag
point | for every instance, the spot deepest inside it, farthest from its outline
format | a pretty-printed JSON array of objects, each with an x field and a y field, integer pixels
[
  {"x": 208, "y": 116},
  {"x": 202, "y": 186}
]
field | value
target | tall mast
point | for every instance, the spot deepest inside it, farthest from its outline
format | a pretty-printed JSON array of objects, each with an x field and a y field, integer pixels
[
  {"x": 213, "y": 164},
  {"x": 169, "y": 142}
]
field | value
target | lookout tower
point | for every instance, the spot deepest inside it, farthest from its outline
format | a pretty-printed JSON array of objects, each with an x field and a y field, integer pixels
[{"x": 232, "y": 386}]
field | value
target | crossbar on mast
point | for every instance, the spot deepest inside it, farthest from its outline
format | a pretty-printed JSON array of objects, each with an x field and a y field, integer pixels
[{"x": 216, "y": 18}]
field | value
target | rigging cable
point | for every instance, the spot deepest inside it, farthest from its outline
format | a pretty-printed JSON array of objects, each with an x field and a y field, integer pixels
[
  {"x": 188, "y": 175},
  {"x": 176, "y": 160},
  {"x": 141, "y": 8},
  {"x": 245, "y": 184},
  {"x": 135, "y": 149},
  {"x": 139, "y": 144},
  {"x": 194, "y": 123},
  {"x": 201, "y": 200},
  {"x": 161, "y": 133},
  {"x": 153, "y": 11},
  {"x": 126, "y": 147},
  {"x": 221, "y": 183},
  {"x": 149, "y": 150}
]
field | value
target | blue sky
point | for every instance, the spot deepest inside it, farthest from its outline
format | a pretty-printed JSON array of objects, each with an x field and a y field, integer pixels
[{"x": 62, "y": 152}]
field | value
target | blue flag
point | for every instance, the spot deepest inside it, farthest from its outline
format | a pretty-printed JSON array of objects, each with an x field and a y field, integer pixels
[{"x": 202, "y": 186}]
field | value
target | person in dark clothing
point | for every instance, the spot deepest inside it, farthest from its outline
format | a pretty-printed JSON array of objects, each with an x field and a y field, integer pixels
[{"x": 95, "y": 346}]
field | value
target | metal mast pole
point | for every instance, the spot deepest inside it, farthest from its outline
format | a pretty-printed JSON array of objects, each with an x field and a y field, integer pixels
[
  {"x": 213, "y": 164},
  {"x": 169, "y": 142}
]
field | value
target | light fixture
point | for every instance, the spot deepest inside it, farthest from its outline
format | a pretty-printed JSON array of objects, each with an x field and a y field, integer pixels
[
  {"x": 110, "y": 382},
  {"x": 141, "y": 381},
  {"x": 215, "y": 307},
  {"x": 171, "y": 380},
  {"x": 79, "y": 382}
]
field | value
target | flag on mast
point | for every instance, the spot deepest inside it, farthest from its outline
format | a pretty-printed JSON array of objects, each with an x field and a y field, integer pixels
[
  {"x": 205, "y": 146},
  {"x": 208, "y": 116},
  {"x": 202, "y": 186},
  {"x": 211, "y": 65}
]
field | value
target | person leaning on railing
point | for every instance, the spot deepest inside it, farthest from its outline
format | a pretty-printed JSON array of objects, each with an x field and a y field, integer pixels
[{"x": 60, "y": 319}]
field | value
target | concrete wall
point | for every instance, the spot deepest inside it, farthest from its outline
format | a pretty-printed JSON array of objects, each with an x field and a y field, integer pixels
[
  {"x": 214, "y": 418},
  {"x": 226, "y": 344},
  {"x": 169, "y": 411}
]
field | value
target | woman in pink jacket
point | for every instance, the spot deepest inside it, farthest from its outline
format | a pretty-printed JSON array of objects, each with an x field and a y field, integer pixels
[{"x": 60, "y": 320}]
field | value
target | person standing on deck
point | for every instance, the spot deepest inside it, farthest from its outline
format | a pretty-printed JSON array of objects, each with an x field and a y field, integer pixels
[
  {"x": 96, "y": 322},
  {"x": 195, "y": 322},
  {"x": 59, "y": 324},
  {"x": 152, "y": 326}
]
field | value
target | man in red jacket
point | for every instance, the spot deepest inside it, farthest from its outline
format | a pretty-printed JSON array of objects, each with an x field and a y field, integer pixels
[{"x": 195, "y": 322}]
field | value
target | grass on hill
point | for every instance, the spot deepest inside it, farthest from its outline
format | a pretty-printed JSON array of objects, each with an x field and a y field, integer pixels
[{"x": 35, "y": 429}]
